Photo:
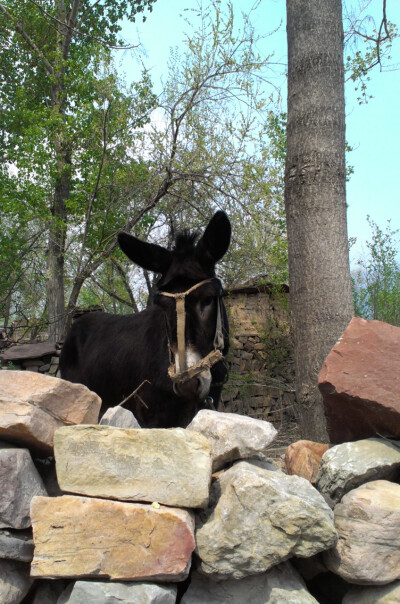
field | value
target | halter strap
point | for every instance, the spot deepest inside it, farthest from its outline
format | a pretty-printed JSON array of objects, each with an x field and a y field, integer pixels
[{"x": 180, "y": 320}]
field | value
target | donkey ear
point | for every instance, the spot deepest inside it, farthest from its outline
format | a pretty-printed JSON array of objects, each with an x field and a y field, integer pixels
[
  {"x": 149, "y": 256},
  {"x": 216, "y": 238}
]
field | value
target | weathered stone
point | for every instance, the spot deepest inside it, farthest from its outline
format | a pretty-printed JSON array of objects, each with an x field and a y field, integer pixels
[
  {"x": 101, "y": 592},
  {"x": 349, "y": 465},
  {"x": 169, "y": 466},
  {"x": 120, "y": 418},
  {"x": 33, "y": 406},
  {"x": 49, "y": 592},
  {"x": 20, "y": 481},
  {"x": 387, "y": 594},
  {"x": 260, "y": 518},
  {"x": 280, "y": 585},
  {"x": 16, "y": 545},
  {"x": 27, "y": 351},
  {"x": 368, "y": 523},
  {"x": 233, "y": 436},
  {"x": 84, "y": 537},
  {"x": 360, "y": 382},
  {"x": 303, "y": 458},
  {"x": 15, "y": 581}
]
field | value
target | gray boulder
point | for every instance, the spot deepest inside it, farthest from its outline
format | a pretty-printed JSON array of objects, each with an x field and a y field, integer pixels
[
  {"x": 349, "y": 465},
  {"x": 102, "y": 592},
  {"x": 20, "y": 482},
  {"x": 260, "y": 518}
]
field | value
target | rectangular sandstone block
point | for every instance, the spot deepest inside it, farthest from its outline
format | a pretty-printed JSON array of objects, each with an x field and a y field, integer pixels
[
  {"x": 33, "y": 406},
  {"x": 84, "y": 537},
  {"x": 172, "y": 467}
]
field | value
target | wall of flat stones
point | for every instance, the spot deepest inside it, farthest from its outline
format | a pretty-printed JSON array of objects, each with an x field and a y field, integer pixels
[{"x": 261, "y": 383}]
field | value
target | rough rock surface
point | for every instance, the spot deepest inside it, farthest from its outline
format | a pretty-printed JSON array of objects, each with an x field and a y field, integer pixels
[
  {"x": 120, "y": 418},
  {"x": 20, "y": 481},
  {"x": 83, "y": 537},
  {"x": 14, "y": 581},
  {"x": 33, "y": 406},
  {"x": 101, "y": 592},
  {"x": 260, "y": 518},
  {"x": 16, "y": 545},
  {"x": 368, "y": 523},
  {"x": 349, "y": 465},
  {"x": 280, "y": 585},
  {"x": 303, "y": 457},
  {"x": 49, "y": 592},
  {"x": 169, "y": 466},
  {"x": 233, "y": 436},
  {"x": 360, "y": 382},
  {"x": 387, "y": 594}
]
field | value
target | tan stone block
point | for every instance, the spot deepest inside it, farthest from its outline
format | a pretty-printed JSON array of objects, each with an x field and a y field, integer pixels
[
  {"x": 172, "y": 467},
  {"x": 84, "y": 537},
  {"x": 303, "y": 458},
  {"x": 33, "y": 406}
]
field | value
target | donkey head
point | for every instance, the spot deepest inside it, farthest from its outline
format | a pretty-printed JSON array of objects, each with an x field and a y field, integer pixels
[{"x": 190, "y": 296}]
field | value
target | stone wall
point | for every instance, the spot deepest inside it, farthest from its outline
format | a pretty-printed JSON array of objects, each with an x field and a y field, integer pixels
[{"x": 261, "y": 382}]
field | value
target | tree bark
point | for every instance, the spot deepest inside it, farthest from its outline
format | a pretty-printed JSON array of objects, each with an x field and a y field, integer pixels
[{"x": 315, "y": 198}]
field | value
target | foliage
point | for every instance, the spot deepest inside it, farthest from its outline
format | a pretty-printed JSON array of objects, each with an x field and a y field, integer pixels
[
  {"x": 376, "y": 41},
  {"x": 376, "y": 284}
]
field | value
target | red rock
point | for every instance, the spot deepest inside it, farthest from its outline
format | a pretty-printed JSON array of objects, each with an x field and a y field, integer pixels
[
  {"x": 360, "y": 382},
  {"x": 95, "y": 538},
  {"x": 303, "y": 458}
]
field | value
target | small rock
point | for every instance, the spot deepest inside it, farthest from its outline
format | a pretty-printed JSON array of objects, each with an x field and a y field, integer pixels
[
  {"x": 169, "y": 466},
  {"x": 349, "y": 465},
  {"x": 20, "y": 481},
  {"x": 15, "y": 581},
  {"x": 360, "y": 382},
  {"x": 16, "y": 545},
  {"x": 101, "y": 592},
  {"x": 368, "y": 523},
  {"x": 33, "y": 406},
  {"x": 120, "y": 418},
  {"x": 79, "y": 537},
  {"x": 303, "y": 458},
  {"x": 388, "y": 594},
  {"x": 280, "y": 585},
  {"x": 233, "y": 436},
  {"x": 260, "y": 518}
]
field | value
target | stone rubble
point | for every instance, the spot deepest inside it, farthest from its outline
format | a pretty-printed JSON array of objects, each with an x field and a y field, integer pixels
[
  {"x": 280, "y": 585},
  {"x": 15, "y": 581},
  {"x": 360, "y": 382},
  {"x": 345, "y": 467},
  {"x": 265, "y": 537},
  {"x": 20, "y": 482},
  {"x": 34, "y": 406},
  {"x": 303, "y": 459},
  {"x": 16, "y": 545},
  {"x": 120, "y": 418},
  {"x": 172, "y": 466},
  {"x": 87, "y": 537},
  {"x": 368, "y": 523},
  {"x": 101, "y": 592},
  {"x": 233, "y": 436},
  {"x": 240, "y": 535}
]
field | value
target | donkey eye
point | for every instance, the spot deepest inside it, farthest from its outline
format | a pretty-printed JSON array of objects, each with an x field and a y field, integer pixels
[{"x": 205, "y": 303}]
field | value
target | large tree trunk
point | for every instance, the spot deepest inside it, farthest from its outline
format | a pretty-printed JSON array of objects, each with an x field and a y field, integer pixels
[{"x": 315, "y": 197}]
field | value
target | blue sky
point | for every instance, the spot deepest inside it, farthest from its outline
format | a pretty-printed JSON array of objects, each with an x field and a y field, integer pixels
[{"x": 373, "y": 130}]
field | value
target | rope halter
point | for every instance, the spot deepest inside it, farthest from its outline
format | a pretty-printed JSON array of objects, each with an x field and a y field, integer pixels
[{"x": 206, "y": 362}]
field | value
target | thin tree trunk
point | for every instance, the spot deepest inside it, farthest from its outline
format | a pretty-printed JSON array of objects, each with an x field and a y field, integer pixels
[{"x": 315, "y": 198}]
